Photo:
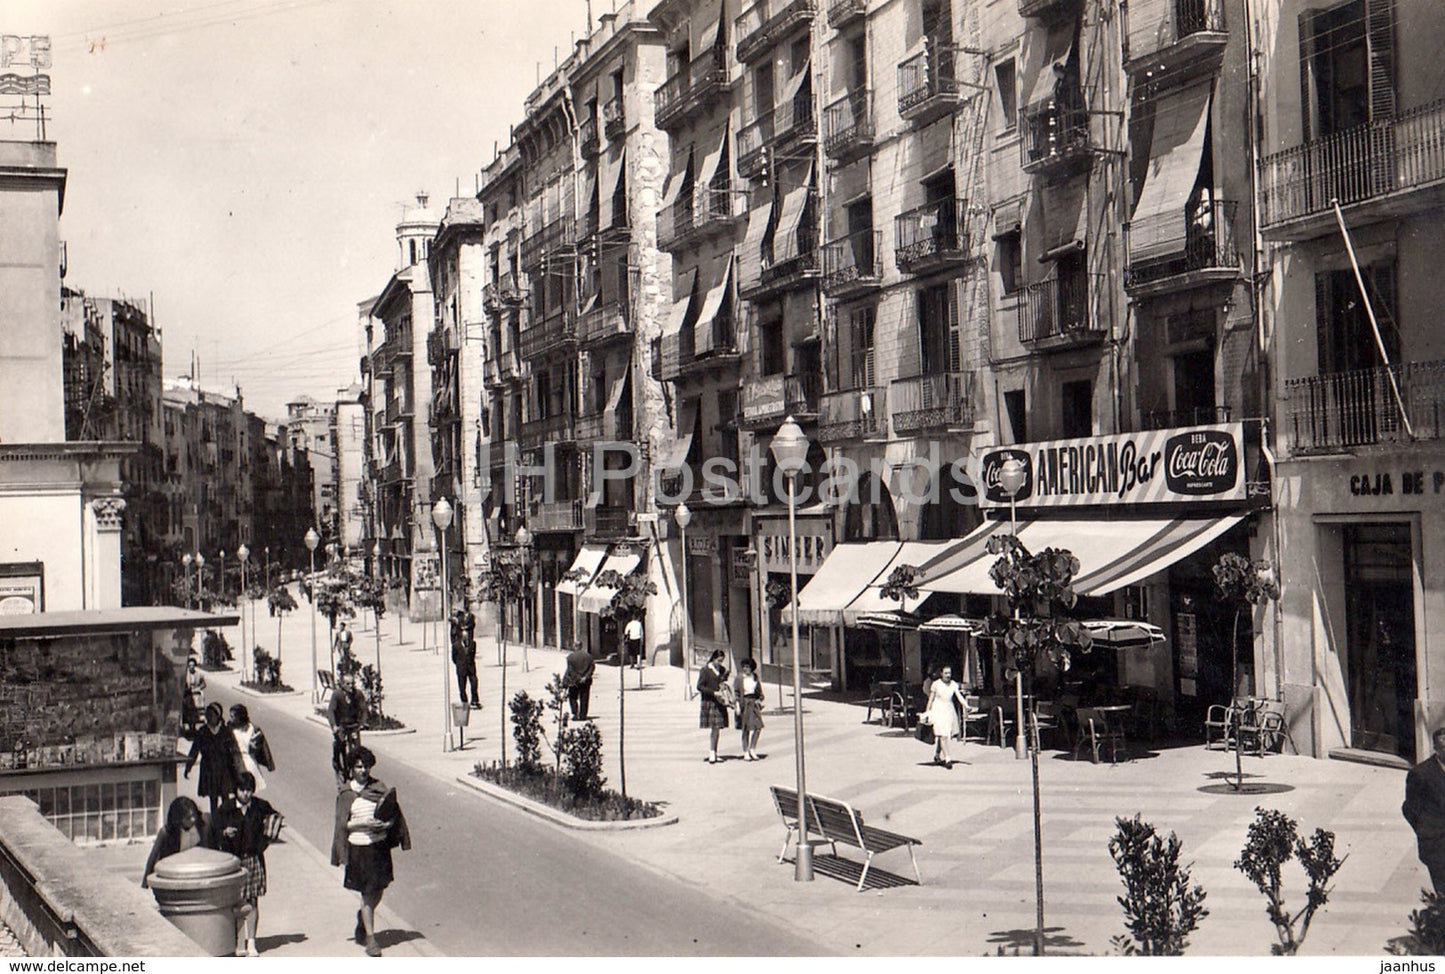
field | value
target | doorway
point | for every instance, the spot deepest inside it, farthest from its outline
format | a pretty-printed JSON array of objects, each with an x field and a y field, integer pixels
[{"x": 1380, "y": 637}]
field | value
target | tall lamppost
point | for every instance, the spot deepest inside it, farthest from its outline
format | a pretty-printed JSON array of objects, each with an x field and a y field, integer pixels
[
  {"x": 1011, "y": 478},
  {"x": 268, "y": 568},
  {"x": 379, "y": 594},
  {"x": 244, "y": 553},
  {"x": 524, "y": 552},
  {"x": 441, "y": 515},
  {"x": 790, "y": 450},
  {"x": 200, "y": 579},
  {"x": 221, "y": 582},
  {"x": 313, "y": 539},
  {"x": 683, "y": 516},
  {"x": 186, "y": 562}
]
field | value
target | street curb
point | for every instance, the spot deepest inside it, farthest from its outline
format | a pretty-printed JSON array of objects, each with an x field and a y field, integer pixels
[
  {"x": 268, "y": 696},
  {"x": 394, "y": 732},
  {"x": 560, "y": 818}
]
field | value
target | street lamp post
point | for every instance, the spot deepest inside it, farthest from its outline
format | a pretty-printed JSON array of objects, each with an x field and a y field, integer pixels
[
  {"x": 524, "y": 541},
  {"x": 441, "y": 515},
  {"x": 186, "y": 562},
  {"x": 790, "y": 450},
  {"x": 683, "y": 516},
  {"x": 200, "y": 579},
  {"x": 312, "y": 540},
  {"x": 244, "y": 553},
  {"x": 1011, "y": 477},
  {"x": 379, "y": 594},
  {"x": 268, "y": 568},
  {"x": 221, "y": 582}
]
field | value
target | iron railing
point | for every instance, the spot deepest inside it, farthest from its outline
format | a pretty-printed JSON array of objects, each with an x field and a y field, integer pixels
[
  {"x": 557, "y": 516},
  {"x": 1168, "y": 419},
  {"x": 752, "y": 139},
  {"x": 587, "y": 136},
  {"x": 561, "y": 232},
  {"x": 1208, "y": 242},
  {"x": 854, "y": 414},
  {"x": 611, "y": 521},
  {"x": 766, "y": 22},
  {"x": 802, "y": 392},
  {"x": 1363, "y": 163},
  {"x": 848, "y": 123},
  {"x": 931, "y": 401},
  {"x": 1055, "y": 133},
  {"x": 842, "y": 12},
  {"x": 1340, "y": 410},
  {"x": 1058, "y": 308},
  {"x": 614, "y": 119},
  {"x": 549, "y": 333},
  {"x": 931, "y": 233},
  {"x": 924, "y": 77},
  {"x": 687, "y": 89},
  {"x": 604, "y": 320},
  {"x": 853, "y": 261}
]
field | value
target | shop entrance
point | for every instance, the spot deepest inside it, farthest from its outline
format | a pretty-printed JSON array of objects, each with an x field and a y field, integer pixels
[{"x": 1380, "y": 637}]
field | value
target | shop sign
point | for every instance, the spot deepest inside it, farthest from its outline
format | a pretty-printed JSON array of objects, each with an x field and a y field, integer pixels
[
  {"x": 17, "y": 600},
  {"x": 814, "y": 542},
  {"x": 740, "y": 566},
  {"x": 1384, "y": 483},
  {"x": 1153, "y": 467},
  {"x": 705, "y": 546},
  {"x": 763, "y": 398},
  {"x": 425, "y": 572}
]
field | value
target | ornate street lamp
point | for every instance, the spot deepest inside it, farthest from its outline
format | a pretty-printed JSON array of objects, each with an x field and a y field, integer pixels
[
  {"x": 313, "y": 539},
  {"x": 186, "y": 561},
  {"x": 524, "y": 542},
  {"x": 790, "y": 450},
  {"x": 683, "y": 516},
  {"x": 1011, "y": 478},
  {"x": 441, "y": 515},
  {"x": 200, "y": 578},
  {"x": 244, "y": 553}
]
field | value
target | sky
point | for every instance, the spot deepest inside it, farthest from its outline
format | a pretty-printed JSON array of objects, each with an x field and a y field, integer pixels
[{"x": 243, "y": 163}]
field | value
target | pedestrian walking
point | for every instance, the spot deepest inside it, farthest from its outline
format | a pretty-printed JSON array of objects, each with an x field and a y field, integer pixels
[
  {"x": 194, "y": 701},
  {"x": 749, "y": 692},
  {"x": 344, "y": 712},
  {"x": 943, "y": 693},
  {"x": 632, "y": 636},
  {"x": 713, "y": 693},
  {"x": 244, "y": 827},
  {"x": 464, "y": 657},
  {"x": 369, "y": 824},
  {"x": 184, "y": 828},
  {"x": 215, "y": 746},
  {"x": 1424, "y": 809},
  {"x": 251, "y": 744},
  {"x": 341, "y": 645},
  {"x": 577, "y": 679}
]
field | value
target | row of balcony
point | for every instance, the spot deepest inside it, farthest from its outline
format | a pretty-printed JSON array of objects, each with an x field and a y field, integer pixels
[
  {"x": 554, "y": 331},
  {"x": 690, "y": 88},
  {"x": 766, "y": 22},
  {"x": 697, "y": 215},
  {"x": 559, "y": 233},
  {"x": 1344, "y": 410},
  {"x": 787, "y": 126},
  {"x": 603, "y": 521},
  {"x": 605, "y": 320}
]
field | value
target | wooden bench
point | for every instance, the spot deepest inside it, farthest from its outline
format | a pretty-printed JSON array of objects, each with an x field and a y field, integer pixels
[
  {"x": 835, "y": 821},
  {"x": 327, "y": 679}
]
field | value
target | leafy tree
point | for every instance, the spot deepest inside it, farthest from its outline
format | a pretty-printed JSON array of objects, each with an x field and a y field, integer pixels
[
  {"x": 1273, "y": 840},
  {"x": 1243, "y": 585},
  {"x": 504, "y": 583},
  {"x": 215, "y": 650},
  {"x": 1161, "y": 909},
  {"x": 629, "y": 602},
  {"x": 1427, "y": 928},
  {"x": 280, "y": 601},
  {"x": 527, "y": 731}
]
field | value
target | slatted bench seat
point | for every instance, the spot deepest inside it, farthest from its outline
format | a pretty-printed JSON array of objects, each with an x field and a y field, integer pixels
[
  {"x": 835, "y": 821},
  {"x": 327, "y": 679}
]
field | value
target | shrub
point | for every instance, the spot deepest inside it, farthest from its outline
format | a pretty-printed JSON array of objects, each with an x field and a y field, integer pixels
[
  {"x": 1273, "y": 840},
  {"x": 582, "y": 761},
  {"x": 215, "y": 650},
  {"x": 268, "y": 669},
  {"x": 375, "y": 694},
  {"x": 527, "y": 730},
  {"x": 1161, "y": 909},
  {"x": 347, "y": 665},
  {"x": 1427, "y": 928},
  {"x": 557, "y": 704}
]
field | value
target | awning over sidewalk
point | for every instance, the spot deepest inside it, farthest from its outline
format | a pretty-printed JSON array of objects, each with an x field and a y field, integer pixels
[
  {"x": 1112, "y": 554},
  {"x": 872, "y": 600},
  {"x": 596, "y": 597},
  {"x": 839, "y": 580},
  {"x": 588, "y": 560}
]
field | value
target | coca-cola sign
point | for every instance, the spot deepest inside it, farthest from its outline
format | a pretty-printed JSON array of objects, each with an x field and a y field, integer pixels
[
  {"x": 1201, "y": 462},
  {"x": 993, "y": 464}
]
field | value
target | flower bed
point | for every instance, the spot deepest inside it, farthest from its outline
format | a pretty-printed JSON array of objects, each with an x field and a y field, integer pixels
[
  {"x": 545, "y": 785},
  {"x": 382, "y": 723},
  {"x": 267, "y": 687}
]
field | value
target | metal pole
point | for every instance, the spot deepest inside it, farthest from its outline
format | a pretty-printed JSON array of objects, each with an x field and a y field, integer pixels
[
  {"x": 315, "y": 693},
  {"x": 1020, "y": 746},
  {"x": 243, "y": 620},
  {"x": 803, "y": 859},
  {"x": 686, "y": 624},
  {"x": 446, "y": 663}
]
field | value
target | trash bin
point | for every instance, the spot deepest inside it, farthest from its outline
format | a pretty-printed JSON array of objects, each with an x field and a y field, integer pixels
[
  {"x": 199, "y": 891},
  {"x": 461, "y": 714}
]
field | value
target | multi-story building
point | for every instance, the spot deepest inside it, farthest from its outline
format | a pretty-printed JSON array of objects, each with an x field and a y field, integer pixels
[
  {"x": 310, "y": 426},
  {"x": 348, "y": 441},
  {"x": 572, "y": 208},
  {"x": 1350, "y": 174}
]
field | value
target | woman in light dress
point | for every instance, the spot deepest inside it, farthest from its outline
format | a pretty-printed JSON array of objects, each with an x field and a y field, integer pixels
[
  {"x": 942, "y": 693},
  {"x": 749, "y": 692},
  {"x": 255, "y": 752}
]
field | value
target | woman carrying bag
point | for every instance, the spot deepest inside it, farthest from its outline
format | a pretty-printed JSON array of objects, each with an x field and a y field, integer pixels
[{"x": 941, "y": 714}]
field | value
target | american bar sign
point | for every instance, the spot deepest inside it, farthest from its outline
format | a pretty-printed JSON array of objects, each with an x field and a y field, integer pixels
[{"x": 1154, "y": 467}]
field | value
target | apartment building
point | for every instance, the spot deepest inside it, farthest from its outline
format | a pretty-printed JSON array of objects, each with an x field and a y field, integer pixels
[
  {"x": 310, "y": 425},
  {"x": 348, "y": 440},
  {"x": 1350, "y": 173}
]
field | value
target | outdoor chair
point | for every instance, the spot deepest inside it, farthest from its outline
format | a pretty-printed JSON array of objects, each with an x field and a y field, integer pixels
[
  {"x": 1220, "y": 721},
  {"x": 977, "y": 719},
  {"x": 1047, "y": 718},
  {"x": 1099, "y": 730},
  {"x": 1000, "y": 725}
]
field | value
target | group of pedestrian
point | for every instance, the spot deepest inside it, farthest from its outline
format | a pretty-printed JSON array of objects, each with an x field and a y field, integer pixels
[
  {"x": 742, "y": 700},
  {"x": 225, "y": 750}
]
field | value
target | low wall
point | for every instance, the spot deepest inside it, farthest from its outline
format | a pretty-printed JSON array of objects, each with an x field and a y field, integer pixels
[{"x": 59, "y": 903}]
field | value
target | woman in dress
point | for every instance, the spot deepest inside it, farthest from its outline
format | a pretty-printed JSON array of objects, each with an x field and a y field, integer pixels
[
  {"x": 195, "y": 698},
  {"x": 942, "y": 693},
  {"x": 185, "y": 828},
  {"x": 369, "y": 824},
  {"x": 242, "y": 829},
  {"x": 749, "y": 690},
  {"x": 215, "y": 746},
  {"x": 711, "y": 683},
  {"x": 251, "y": 743}
]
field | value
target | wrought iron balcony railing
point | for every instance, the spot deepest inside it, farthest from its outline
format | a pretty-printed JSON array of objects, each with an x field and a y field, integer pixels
[
  {"x": 848, "y": 124},
  {"x": 709, "y": 209},
  {"x": 1208, "y": 244},
  {"x": 1056, "y": 135},
  {"x": 927, "y": 85},
  {"x": 510, "y": 289},
  {"x": 752, "y": 139},
  {"x": 556, "y": 429},
  {"x": 561, "y": 233},
  {"x": 690, "y": 88},
  {"x": 1057, "y": 310},
  {"x": 1384, "y": 159},
  {"x": 852, "y": 263},
  {"x": 1189, "y": 30},
  {"x": 614, "y": 120},
  {"x": 933, "y": 234},
  {"x": 587, "y": 136},
  {"x": 767, "y": 22},
  {"x": 606, "y": 319},
  {"x": 556, "y": 516},
  {"x": 1168, "y": 419},
  {"x": 852, "y": 415},
  {"x": 802, "y": 393},
  {"x": 1344, "y": 410},
  {"x": 611, "y": 521},
  {"x": 841, "y": 13},
  {"x": 551, "y": 332},
  {"x": 927, "y": 402}
]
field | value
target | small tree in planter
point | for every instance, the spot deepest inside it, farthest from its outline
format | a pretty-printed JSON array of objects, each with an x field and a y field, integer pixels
[
  {"x": 582, "y": 762},
  {"x": 1273, "y": 840},
  {"x": 527, "y": 731},
  {"x": 629, "y": 602},
  {"x": 215, "y": 650},
  {"x": 503, "y": 583},
  {"x": 280, "y": 601},
  {"x": 267, "y": 669},
  {"x": 1243, "y": 585},
  {"x": 1427, "y": 929},
  {"x": 557, "y": 704},
  {"x": 1161, "y": 909},
  {"x": 375, "y": 694}
]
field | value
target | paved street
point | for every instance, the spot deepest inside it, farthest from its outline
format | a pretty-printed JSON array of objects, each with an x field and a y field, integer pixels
[{"x": 482, "y": 874}]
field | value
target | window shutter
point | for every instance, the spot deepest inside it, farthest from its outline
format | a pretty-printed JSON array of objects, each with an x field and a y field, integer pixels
[
  {"x": 955, "y": 331},
  {"x": 1380, "y": 21},
  {"x": 1323, "y": 316}
]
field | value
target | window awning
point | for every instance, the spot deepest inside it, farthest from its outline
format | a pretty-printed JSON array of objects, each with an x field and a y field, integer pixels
[
  {"x": 609, "y": 411},
  {"x": 588, "y": 560},
  {"x": 675, "y": 183},
  {"x": 596, "y": 597},
  {"x": 1112, "y": 554},
  {"x": 608, "y": 171},
  {"x": 710, "y": 162},
  {"x": 711, "y": 305},
  {"x": 1066, "y": 225},
  {"x": 785, "y": 237},
  {"x": 1151, "y": 27},
  {"x": 672, "y": 331},
  {"x": 750, "y": 266},
  {"x": 840, "y": 579},
  {"x": 872, "y": 599},
  {"x": 1007, "y": 218},
  {"x": 1048, "y": 54},
  {"x": 1158, "y": 226},
  {"x": 790, "y": 91},
  {"x": 707, "y": 37},
  {"x": 674, "y": 455}
]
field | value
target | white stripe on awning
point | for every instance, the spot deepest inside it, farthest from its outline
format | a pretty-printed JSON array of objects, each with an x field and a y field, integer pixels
[
  {"x": 702, "y": 327},
  {"x": 1112, "y": 554},
  {"x": 588, "y": 560},
  {"x": 750, "y": 266},
  {"x": 596, "y": 597},
  {"x": 785, "y": 237},
  {"x": 1048, "y": 51},
  {"x": 710, "y": 162},
  {"x": 607, "y": 173},
  {"x": 675, "y": 183},
  {"x": 872, "y": 599},
  {"x": 839, "y": 580},
  {"x": 1158, "y": 226}
]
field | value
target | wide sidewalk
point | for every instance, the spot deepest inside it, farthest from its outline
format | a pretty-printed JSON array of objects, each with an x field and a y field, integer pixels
[{"x": 976, "y": 821}]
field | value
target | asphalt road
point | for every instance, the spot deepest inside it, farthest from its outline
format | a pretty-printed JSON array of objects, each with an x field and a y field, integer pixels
[{"x": 483, "y": 879}]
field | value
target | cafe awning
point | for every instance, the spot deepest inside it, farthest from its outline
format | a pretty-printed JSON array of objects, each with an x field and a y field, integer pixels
[
  {"x": 872, "y": 601},
  {"x": 1158, "y": 226},
  {"x": 839, "y": 580},
  {"x": 597, "y": 597},
  {"x": 588, "y": 560},
  {"x": 1112, "y": 554}
]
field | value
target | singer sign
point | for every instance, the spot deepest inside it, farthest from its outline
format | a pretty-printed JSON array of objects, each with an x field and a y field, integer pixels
[{"x": 1153, "y": 467}]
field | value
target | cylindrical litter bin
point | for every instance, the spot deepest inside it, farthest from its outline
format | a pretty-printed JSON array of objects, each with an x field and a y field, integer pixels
[
  {"x": 199, "y": 891},
  {"x": 461, "y": 714}
]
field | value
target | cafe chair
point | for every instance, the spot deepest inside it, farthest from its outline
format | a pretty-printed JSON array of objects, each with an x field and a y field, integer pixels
[
  {"x": 1099, "y": 730},
  {"x": 976, "y": 720},
  {"x": 1000, "y": 725},
  {"x": 1220, "y": 721},
  {"x": 1047, "y": 718}
]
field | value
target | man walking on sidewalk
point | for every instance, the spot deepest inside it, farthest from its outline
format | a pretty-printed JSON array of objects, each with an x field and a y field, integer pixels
[
  {"x": 464, "y": 655},
  {"x": 1424, "y": 809},
  {"x": 578, "y": 680},
  {"x": 632, "y": 635}
]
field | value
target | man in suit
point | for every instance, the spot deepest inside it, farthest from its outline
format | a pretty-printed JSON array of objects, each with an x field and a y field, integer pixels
[
  {"x": 578, "y": 681},
  {"x": 464, "y": 655},
  {"x": 1424, "y": 809}
]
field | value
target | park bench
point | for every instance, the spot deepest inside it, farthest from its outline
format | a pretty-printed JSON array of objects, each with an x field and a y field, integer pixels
[
  {"x": 327, "y": 679},
  {"x": 835, "y": 821}
]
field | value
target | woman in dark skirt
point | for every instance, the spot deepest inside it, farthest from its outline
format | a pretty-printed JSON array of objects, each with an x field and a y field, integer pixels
[
  {"x": 749, "y": 692},
  {"x": 711, "y": 687},
  {"x": 215, "y": 745},
  {"x": 243, "y": 828},
  {"x": 369, "y": 824}
]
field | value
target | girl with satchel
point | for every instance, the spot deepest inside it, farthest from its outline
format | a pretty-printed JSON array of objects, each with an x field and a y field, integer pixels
[
  {"x": 749, "y": 691},
  {"x": 713, "y": 692}
]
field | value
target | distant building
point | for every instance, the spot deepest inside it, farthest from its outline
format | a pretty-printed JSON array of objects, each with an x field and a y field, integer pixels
[
  {"x": 309, "y": 424},
  {"x": 351, "y": 527}
]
